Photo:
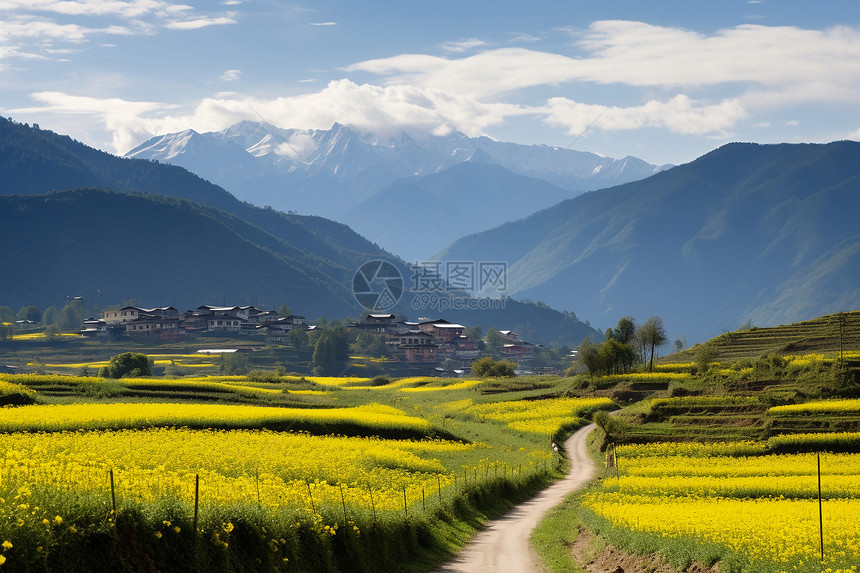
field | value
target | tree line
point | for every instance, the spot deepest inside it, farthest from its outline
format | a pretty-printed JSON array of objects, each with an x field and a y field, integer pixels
[{"x": 624, "y": 347}]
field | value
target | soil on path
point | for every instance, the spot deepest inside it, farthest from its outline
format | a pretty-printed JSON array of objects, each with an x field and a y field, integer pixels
[{"x": 503, "y": 547}]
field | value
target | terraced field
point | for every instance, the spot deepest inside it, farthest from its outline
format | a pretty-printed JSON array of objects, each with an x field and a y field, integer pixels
[{"x": 821, "y": 335}]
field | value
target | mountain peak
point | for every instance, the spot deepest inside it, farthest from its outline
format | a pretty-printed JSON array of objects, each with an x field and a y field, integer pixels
[{"x": 304, "y": 170}]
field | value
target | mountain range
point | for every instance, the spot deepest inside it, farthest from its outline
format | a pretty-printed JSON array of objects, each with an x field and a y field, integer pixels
[
  {"x": 78, "y": 221},
  {"x": 364, "y": 181},
  {"x": 760, "y": 233}
]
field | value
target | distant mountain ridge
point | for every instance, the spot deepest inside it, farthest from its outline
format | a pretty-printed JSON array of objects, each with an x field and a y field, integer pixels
[
  {"x": 157, "y": 250},
  {"x": 78, "y": 221},
  {"x": 766, "y": 233},
  {"x": 332, "y": 172},
  {"x": 417, "y": 217}
]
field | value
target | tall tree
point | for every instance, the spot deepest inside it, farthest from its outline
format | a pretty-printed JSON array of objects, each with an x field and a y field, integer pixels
[
  {"x": 474, "y": 332},
  {"x": 298, "y": 338},
  {"x": 31, "y": 313},
  {"x": 494, "y": 340},
  {"x": 651, "y": 335},
  {"x": 331, "y": 352},
  {"x": 625, "y": 329},
  {"x": 588, "y": 354},
  {"x": 50, "y": 316}
]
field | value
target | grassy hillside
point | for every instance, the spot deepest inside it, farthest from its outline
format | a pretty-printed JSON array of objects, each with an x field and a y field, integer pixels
[
  {"x": 821, "y": 335},
  {"x": 113, "y": 247},
  {"x": 226, "y": 252},
  {"x": 760, "y": 232}
]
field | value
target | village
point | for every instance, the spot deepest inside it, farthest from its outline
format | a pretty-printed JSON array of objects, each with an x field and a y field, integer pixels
[{"x": 436, "y": 344}]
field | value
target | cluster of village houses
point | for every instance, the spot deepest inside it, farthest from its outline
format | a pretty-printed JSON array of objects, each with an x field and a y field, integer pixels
[{"x": 425, "y": 342}]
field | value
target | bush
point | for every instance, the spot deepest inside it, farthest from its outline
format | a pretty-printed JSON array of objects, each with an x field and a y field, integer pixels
[
  {"x": 130, "y": 364},
  {"x": 380, "y": 381},
  {"x": 487, "y": 367},
  {"x": 264, "y": 376},
  {"x": 98, "y": 389}
]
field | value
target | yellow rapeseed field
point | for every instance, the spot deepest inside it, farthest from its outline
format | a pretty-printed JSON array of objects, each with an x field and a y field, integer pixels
[
  {"x": 538, "y": 416},
  {"x": 133, "y": 415},
  {"x": 274, "y": 469},
  {"x": 762, "y": 506},
  {"x": 818, "y": 407}
]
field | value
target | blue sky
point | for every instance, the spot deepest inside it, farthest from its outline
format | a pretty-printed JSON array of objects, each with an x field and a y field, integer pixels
[{"x": 663, "y": 80}]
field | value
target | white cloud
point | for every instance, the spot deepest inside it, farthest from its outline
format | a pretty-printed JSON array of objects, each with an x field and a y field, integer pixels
[
  {"x": 30, "y": 21},
  {"x": 123, "y": 9},
  {"x": 230, "y": 75},
  {"x": 198, "y": 23},
  {"x": 385, "y": 110},
  {"x": 679, "y": 115},
  {"x": 781, "y": 62},
  {"x": 125, "y": 120},
  {"x": 299, "y": 146},
  {"x": 323, "y": 23},
  {"x": 525, "y": 38},
  {"x": 20, "y": 29},
  {"x": 683, "y": 82},
  {"x": 462, "y": 45}
]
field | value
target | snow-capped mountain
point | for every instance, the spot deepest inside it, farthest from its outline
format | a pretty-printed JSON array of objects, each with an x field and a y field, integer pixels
[{"x": 329, "y": 172}]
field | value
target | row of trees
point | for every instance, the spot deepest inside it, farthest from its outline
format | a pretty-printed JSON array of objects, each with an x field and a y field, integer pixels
[
  {"x": 69, "y": 317},
  {"x": 624, "y": 347}
]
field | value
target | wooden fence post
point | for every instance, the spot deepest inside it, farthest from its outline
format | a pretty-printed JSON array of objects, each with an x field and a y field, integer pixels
[
  {"x": 820, "y": 512},
  {"x": 343, "y": 503},
  {"x": 310, "y": 495},
  {"x": 196, "y": 499},
  {"x": 112, "y": 494}
]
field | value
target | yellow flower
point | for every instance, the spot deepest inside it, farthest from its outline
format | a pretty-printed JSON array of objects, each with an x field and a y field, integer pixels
[
  {"x": 158, "y": 535},
  {"x": 2, "y": 559},
  {"x": 7, "y": 545},
  {"x": 58, "y": 520}
]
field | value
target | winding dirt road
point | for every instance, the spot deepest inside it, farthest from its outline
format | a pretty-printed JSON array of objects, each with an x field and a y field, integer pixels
[{"x": 503, "y": 547}]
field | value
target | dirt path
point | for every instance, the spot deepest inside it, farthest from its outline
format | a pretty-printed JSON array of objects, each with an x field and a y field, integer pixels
[{"x": 504, "y": 545}]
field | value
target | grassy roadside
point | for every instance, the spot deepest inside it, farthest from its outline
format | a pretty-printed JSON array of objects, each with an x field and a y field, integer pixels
[
  {"x": 557, "y": 532},
  {"x": 569, "y": 528}
]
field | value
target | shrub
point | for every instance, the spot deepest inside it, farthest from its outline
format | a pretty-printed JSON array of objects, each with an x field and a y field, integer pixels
[
  {"x": 263, "y": 376},
  {"x": 131, "y": 364},
  {"x": 488, "y": 367}
]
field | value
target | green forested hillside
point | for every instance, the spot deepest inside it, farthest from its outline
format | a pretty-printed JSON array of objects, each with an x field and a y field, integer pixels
[
  {"x": 34, "y": 161},
  {"x": 113, "y": 247},
  {"x": 766, "y": 233},
  {"x": 135, "y": 229}
]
